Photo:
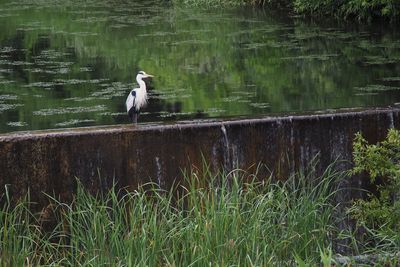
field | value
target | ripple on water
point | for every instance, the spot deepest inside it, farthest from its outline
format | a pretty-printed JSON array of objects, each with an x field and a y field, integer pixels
[
  {"x": 6, "y": 82},
  {"x": 6, "y": 71},
  {"x": 260, "y": 105},
  {"x": 171, "y": 94},
  {"x": 377, "y": 88},
  {"x": 15, "y": 63},
  {"x": 253, "y": 46},
  {"x": 78, "y": 81},
  {"x": 69, "y": 110},
  {"x": 92, "y": 19},
  {"x": 114, "y": 114},
  {"x": 85, "y": 69},
  {"x": 73, "y": 122},
  {"x": 119, "y": 26},
  {"x": 174, "y": 114},
  {"x": 283, "y": 44},
  {"x": 8, "y": 97},
  {"x": 39, "y": 70},
  {"x": 7, "y": 50},
  {"x": 215, "y": 111},
  {"x": 245, "y": 93},
  {"x": 190, "y": 42},
  {"x": 157, "y": 34},
  {"x": 80, "y": 99},
  {"x": 379, "y": 60},
  {"x": 231, "y": 99},
  {"x": 312, "y": 57},
  {"x": 366, "y": 94},
  {"x": 391, "y": 79},
  {"x": 45, "y": 85},
  {"x": 48, "y": 85},
  {"x": 17, "y": 124},
  {"x": 116, "y": 89},
  {"x": 51, "y": 54},
  {"x": 4, "y": 106},
  {"x": 83, "y": 34},
  {"x": 53, "y": 64}
]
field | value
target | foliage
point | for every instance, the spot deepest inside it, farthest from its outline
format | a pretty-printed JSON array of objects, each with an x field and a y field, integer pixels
[
  {"x": 359, "y": 9},
  {"x": 222, "y": 222},
  {"x": 364, "y": 10},
  {"x": 381, "y": 211},
  {"x": 235, "y": 3},
  {"x": 367, "y": 10}
]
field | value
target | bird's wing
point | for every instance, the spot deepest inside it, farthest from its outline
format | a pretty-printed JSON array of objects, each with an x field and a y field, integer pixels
[{"x": 130, "y": 100}]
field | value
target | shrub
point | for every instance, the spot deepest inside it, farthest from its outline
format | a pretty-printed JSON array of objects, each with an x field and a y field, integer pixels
[
  {"x": 359, "y": 9},
  {"x": 363, "y": 10},
  {"x": 380, "y": 213}
]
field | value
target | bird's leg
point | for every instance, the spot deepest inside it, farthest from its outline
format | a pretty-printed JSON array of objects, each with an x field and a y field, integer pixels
[{"x": 135, "y": 117}]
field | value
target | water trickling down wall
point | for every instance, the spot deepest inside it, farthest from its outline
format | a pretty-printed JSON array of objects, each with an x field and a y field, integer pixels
[{"x": 49, "y": 161}]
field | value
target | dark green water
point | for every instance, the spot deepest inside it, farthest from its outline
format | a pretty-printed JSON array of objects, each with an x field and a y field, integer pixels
[{"x": 72, "y": 63}]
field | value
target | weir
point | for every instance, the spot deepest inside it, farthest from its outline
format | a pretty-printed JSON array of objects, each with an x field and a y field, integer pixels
[{"x": 50, "y": 161}]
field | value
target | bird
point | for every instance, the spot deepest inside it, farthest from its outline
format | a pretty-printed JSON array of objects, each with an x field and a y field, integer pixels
[{"x": 137, "y": 98}]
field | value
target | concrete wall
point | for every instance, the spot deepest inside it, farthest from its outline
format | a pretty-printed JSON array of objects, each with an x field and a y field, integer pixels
[{"x": 50, "y": 160}]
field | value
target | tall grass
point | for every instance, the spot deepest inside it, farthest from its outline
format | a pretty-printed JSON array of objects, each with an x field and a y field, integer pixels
[
  {"x": 361, "y": 10},
  {"x": 217, "y": 220},
  {"x": 350, "y": 9},
  {"x": 234, "y": 3}
]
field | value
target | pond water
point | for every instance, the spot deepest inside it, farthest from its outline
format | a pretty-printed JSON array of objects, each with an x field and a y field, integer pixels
[{"x": 72, "y": 63}]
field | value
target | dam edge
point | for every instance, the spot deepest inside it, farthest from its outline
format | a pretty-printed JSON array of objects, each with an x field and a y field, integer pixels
[{"x": 50, "y": 161}]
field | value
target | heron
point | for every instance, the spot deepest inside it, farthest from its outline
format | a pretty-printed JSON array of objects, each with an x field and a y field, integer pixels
[{"x": 137, "y": 98}]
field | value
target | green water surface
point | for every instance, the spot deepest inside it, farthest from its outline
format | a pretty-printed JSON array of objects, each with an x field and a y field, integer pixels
[{"x": 71, "y": 63}]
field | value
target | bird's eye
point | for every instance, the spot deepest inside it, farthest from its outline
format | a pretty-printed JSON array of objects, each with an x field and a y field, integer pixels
[{"x": 141, "y": 72}]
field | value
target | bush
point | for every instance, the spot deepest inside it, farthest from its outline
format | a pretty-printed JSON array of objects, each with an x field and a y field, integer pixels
[
  {"x": 363, "y": 10},
  {"x": 359, "y": 9},
  {"x": 369, "y": 9},
  {"x": 380, "y": 213},
  {"x": 235, "y": 3}
]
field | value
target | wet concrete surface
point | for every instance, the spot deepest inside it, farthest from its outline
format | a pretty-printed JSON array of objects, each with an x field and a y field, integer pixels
[{"x": 50, "y": 161}]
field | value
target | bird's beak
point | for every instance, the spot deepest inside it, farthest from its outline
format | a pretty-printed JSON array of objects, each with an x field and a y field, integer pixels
[{"x": 149, "y": 75}]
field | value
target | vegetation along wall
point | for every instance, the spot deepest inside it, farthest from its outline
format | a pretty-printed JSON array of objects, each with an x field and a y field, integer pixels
[{"x": 50, "y": 161}]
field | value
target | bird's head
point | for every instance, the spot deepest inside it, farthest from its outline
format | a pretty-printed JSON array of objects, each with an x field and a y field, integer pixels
[{"x": 141, "y": 75}]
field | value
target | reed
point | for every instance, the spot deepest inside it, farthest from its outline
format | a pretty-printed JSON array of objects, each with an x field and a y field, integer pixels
[
  {"x": 343, "y": 10},
  {"x": 219, "y": 220}
]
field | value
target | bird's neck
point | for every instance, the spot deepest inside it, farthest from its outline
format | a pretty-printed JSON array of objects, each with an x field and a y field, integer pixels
[{"x": 142, "y": 84}]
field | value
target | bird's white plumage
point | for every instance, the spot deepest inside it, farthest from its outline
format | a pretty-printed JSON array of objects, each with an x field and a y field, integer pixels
[
  {"x": 129, "y": 101},
  {"x": 137, "y": 98},
  {"x": 138, "y": 101}
]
